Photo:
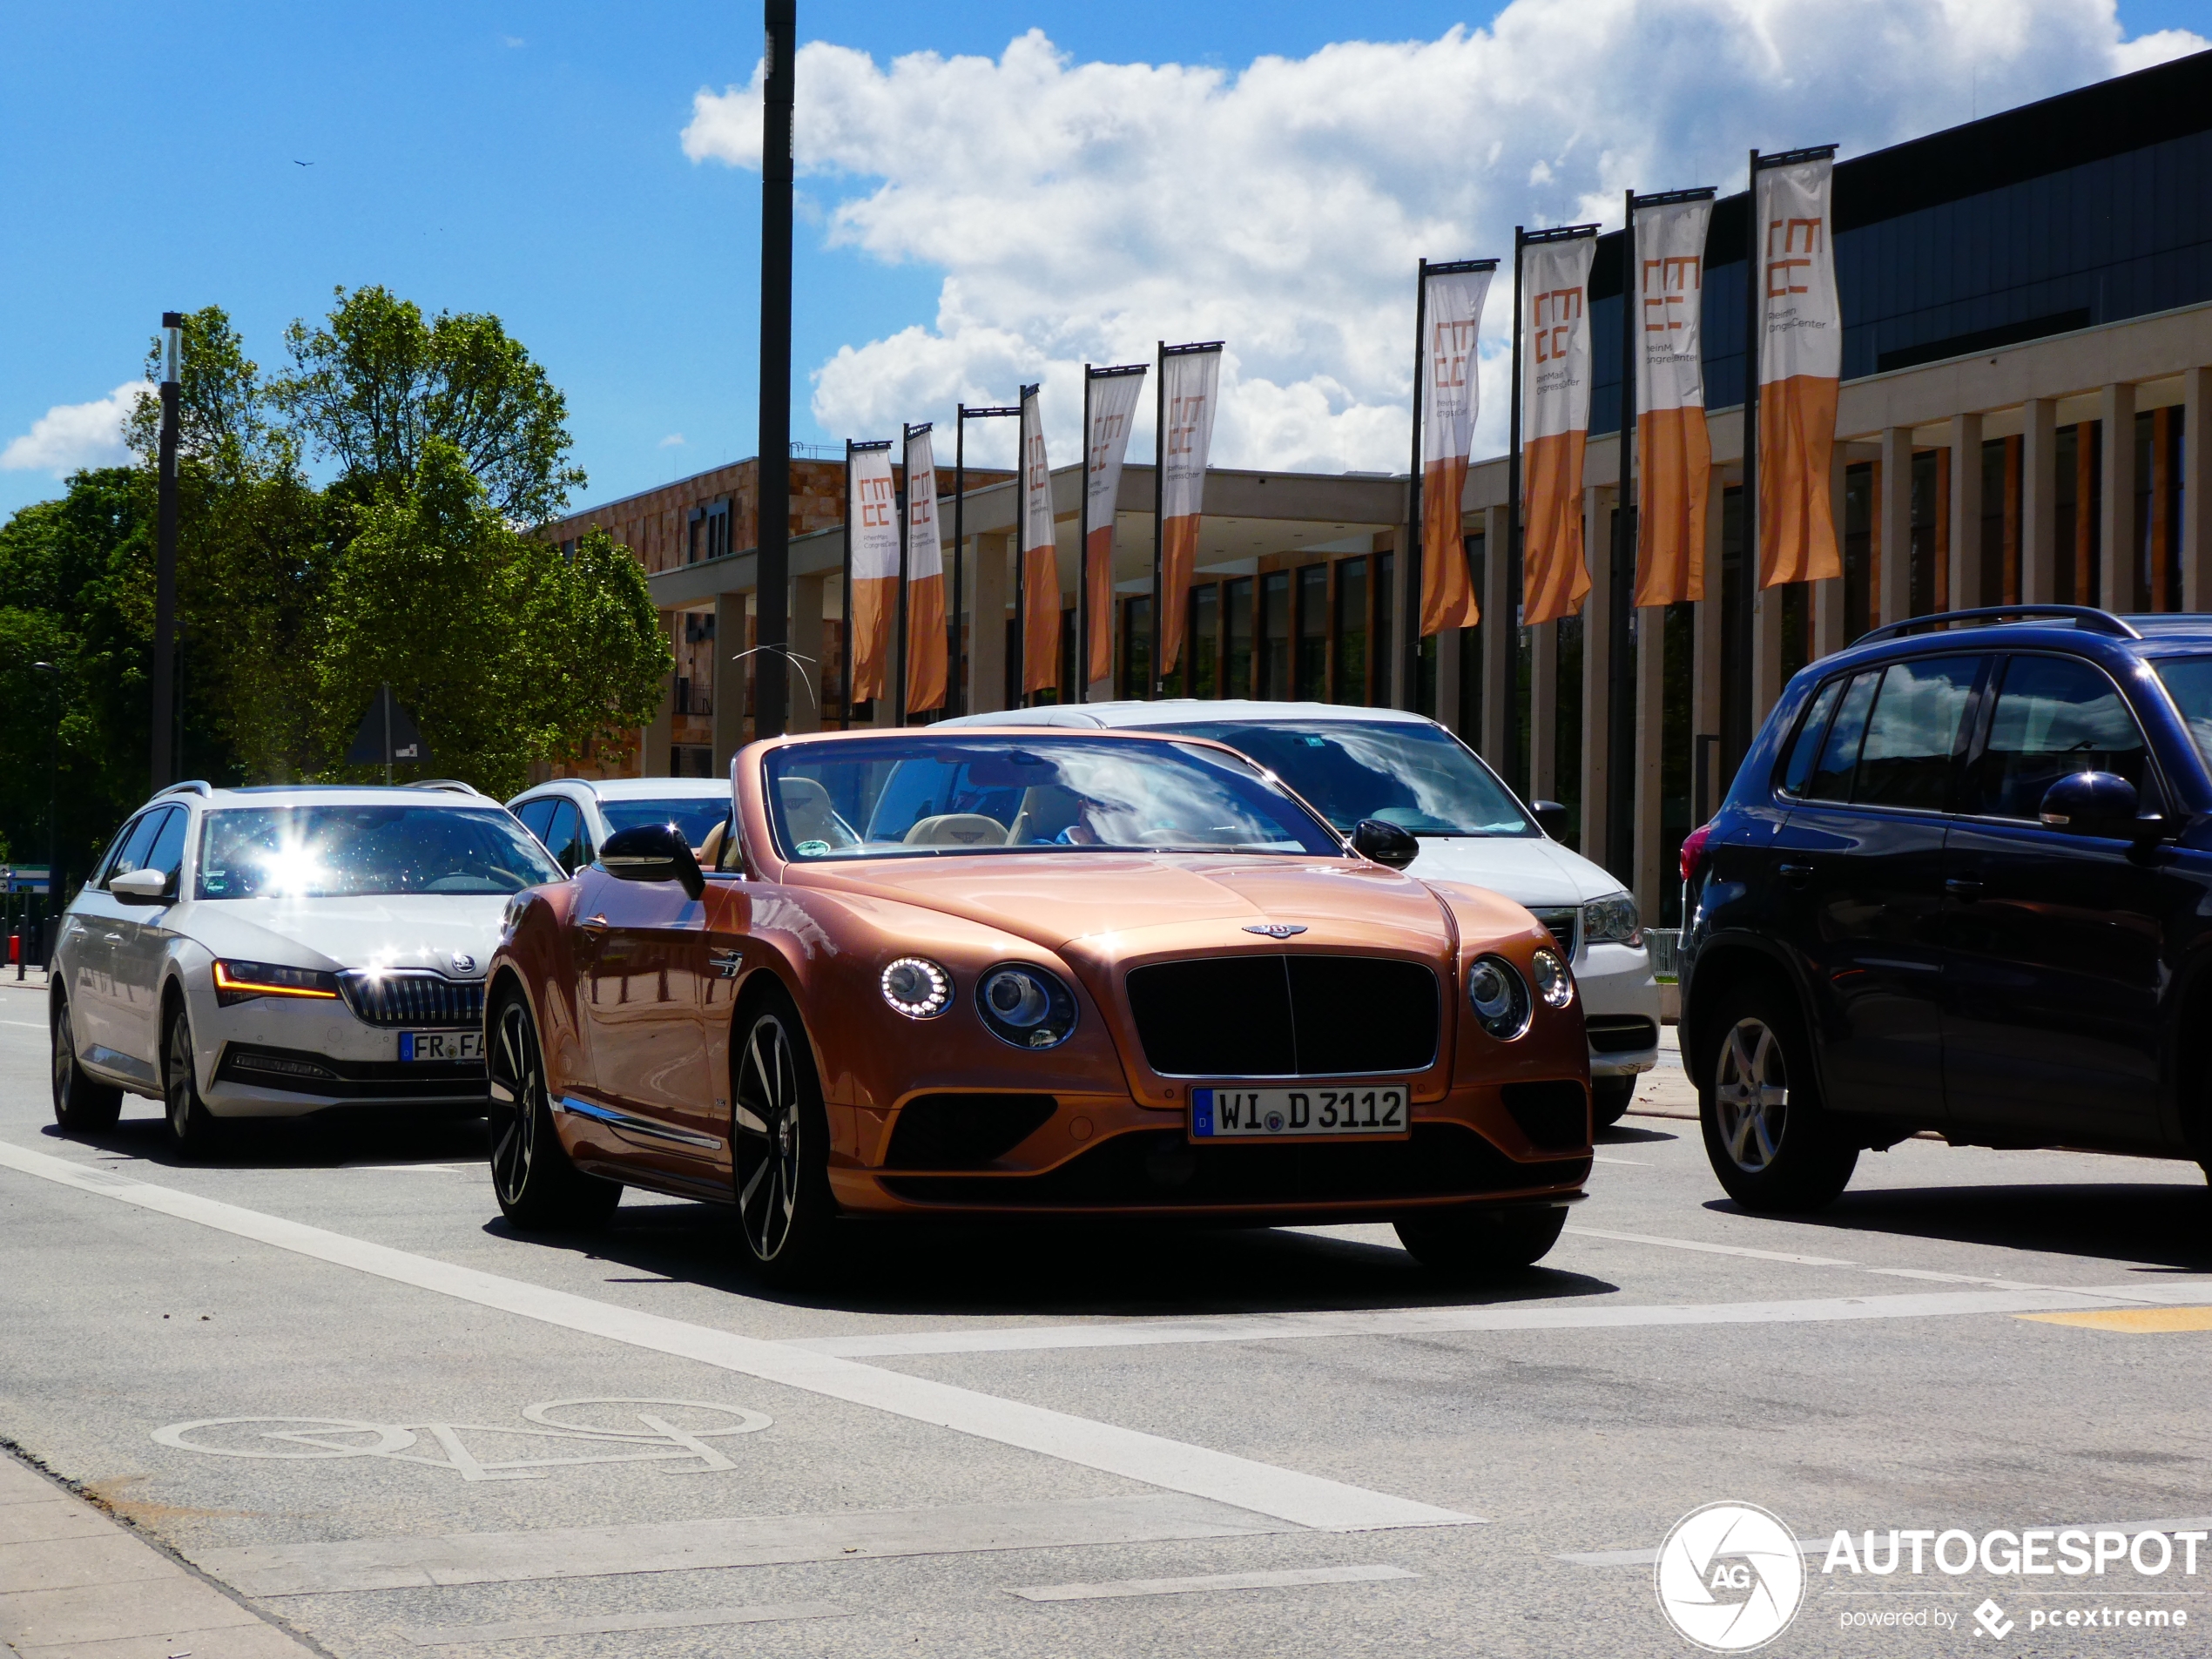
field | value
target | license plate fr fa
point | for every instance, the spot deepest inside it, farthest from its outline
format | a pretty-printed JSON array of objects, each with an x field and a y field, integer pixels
[
  {"x": 442, "y": 1045},
  {"x": 1283, "y": 1113}
]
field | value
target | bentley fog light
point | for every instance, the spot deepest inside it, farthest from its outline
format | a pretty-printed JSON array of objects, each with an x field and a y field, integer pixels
[
  {"x": 1553, "y": 983},
  {"x": 1026, "y": 1007},
  {"x": 1499, "y": 997},
  {"x": 917, "y": 987}
]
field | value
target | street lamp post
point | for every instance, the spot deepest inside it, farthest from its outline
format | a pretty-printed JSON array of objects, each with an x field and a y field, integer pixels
[
  {"x": 53, "y": 821},
  {"x": 165, "y": 579}
]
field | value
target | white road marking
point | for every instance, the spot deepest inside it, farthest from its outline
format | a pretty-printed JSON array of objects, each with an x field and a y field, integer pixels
[
  {"x": 455, "y": 1636},
  {"x": 1118, "y": 1587},
  {"x": 1588, "y": 1316},
  {"x": 1286, "y": 1495},
  {"x": 1700, "y": 1245},
  {"x": 293, "y": 1438},
  {"x": 1636, "y": 1163},
  {"x": 28, "y": 1025},
  {"x": 691, "y": 1545}
]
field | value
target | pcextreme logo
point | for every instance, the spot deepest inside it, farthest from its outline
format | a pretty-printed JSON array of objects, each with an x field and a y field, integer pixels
[{"x": 1730, "y": 1577}]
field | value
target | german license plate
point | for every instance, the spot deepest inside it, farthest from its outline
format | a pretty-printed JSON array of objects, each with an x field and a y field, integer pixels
[
  {"x": 442, "y": 1045},
  {"x": 1264, "y": 1114}
]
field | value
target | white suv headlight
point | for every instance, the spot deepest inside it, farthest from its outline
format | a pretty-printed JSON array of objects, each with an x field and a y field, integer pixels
[{"x": 1612, "y": 920}]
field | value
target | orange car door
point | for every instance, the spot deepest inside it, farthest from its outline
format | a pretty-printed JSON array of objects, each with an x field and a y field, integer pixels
[{"x": 641, "y": 960}]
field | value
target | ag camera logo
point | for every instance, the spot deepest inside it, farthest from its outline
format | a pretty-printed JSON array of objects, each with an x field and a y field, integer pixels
[{"x": 1730, "y": 1577}]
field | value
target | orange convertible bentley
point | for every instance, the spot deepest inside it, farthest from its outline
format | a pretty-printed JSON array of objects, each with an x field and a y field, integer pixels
[{"x": 1032, "y": 973}]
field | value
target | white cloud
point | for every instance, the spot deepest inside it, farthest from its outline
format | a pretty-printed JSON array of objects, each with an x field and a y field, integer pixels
[
  {"x": 673, "y": 441},
  {"x": 1083, "y": 211},
  {"x": 73, "y": 435}
]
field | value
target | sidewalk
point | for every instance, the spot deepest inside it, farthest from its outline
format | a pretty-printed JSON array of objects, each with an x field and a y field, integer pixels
[
  {"x": 76, "y": 1584},
  {"x": 1665, "y": 1090},
  {"x": 34, "y": 979}
]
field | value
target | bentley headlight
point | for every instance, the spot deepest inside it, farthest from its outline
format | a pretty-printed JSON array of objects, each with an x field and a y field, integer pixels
[
  {"x": 917, "y": 987},
  {"x": 1499, "y": 996},
  {"x": 1612, "y": 920},
  {"x": 1026, "y": 1006},
  {"x": 1553, "y": 983}
]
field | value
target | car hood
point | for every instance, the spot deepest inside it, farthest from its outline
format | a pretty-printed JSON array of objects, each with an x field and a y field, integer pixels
[
  {"x": 401, "y": 930},
  {"x": 1122, "y": 904},
  {"x": 1530, "y": 870}
]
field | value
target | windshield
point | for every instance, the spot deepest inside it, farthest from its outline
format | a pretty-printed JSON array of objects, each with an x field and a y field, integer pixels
[
  {"x": 2189, "y": 681},
  {"x": 339, "y": 851},
  {"x": 696, "y": 815},
  {"x": 1415, "y": 776},
  {"x": 918, "y": 795}
]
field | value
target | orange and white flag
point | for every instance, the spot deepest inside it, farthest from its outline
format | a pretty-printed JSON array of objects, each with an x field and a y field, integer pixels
[
  {"x": 1113, "y": 398},
  {"x": 925, "y": 647},
  {"x": 1674, "y": 453},
  {"x": 871, "y": 561},
  {"x": 1040, "y": 557},
  {"x": 1801, "y": 359},
  {"x": 1451, "y": 318},
  {"x": 1191, "y": 387},
  {"x": 1555, "y": 423}
]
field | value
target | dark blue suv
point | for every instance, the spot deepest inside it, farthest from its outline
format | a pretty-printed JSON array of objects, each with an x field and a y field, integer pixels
[{"x": 1963, "y": 882}]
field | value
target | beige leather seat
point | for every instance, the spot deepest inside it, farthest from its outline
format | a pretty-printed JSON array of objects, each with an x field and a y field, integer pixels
[
  {"x": 808, "y": 813},
  {"x": 957, "y": 829}
]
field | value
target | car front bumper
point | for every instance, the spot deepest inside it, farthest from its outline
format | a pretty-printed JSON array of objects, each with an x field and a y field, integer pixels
[
  {"x": 1621, "y": 1007},
  {"x": 287, "y": 1057}
]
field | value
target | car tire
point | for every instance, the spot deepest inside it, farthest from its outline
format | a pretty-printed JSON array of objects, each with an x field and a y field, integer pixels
[
  {"x": 779, "y": 1146},
  {"x": 193, "y": 1130},
  {"x": 538, "y": 1189},
  {"x": 1769, "y": 1138},
  {"x": 83, "y": 1104},
  {"x": 1478, "y": 1244},
  {"x": 1610, "y": 1098}
]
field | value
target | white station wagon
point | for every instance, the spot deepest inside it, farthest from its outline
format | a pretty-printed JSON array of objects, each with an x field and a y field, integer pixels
[{"x": 273, "y": 952}]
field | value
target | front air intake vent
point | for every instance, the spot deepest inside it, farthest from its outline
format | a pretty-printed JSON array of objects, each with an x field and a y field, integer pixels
[
  {"x": 1285, "y": 1016},
  {"x": 413, "y": 997}
]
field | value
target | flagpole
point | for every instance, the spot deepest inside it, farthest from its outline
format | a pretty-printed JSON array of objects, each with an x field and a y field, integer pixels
[
  {"x": 1619, "y": 769},
  {"x": 844, "y": 657},
  {"x": 1410, "y": 575},
  {"x": 1082, "y": 560},
  {"x": 956, "y": 692},
  {"x": 905, "y": 517},
  {"x": 1159, "y": 505},
  {"x": 1754, "y": 264},
  {"x": 1515, "y": 580}
]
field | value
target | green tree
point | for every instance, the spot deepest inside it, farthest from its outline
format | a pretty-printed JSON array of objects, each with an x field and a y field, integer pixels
[
  {"x": 377, "y": 383},
  {"x": 507, "y": 651}
]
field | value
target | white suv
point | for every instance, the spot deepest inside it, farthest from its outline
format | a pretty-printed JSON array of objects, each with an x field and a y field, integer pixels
[
  {"x": 572, "y": 816},
  {"x": 1351, "y": 763},
  {"x": 273, "y": 952}
]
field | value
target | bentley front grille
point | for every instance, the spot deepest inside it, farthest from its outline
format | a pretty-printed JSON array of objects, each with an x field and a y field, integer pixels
[{"x": 1285, "y": 1016}]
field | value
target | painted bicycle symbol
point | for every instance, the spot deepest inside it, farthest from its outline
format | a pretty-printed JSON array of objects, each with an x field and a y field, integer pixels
[{"x": 673, "y": 1433}]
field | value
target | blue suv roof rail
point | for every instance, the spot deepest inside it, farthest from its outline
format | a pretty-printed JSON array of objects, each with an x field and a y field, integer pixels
[{"x": 2085, "y": 617}]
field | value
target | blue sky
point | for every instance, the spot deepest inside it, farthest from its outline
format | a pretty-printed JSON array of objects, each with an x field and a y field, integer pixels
[{"x": 528, "y": 160}]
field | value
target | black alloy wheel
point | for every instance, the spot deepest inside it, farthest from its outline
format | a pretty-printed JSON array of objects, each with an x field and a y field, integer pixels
[
  {"x": 1610, "y": 1098},
  {"x": 538, "y": 1189},
  {"x": 1466, "y": 1244},
  {"x": 779, "y": 1147},
  {"x": 83, "y": 1105},
  {"x": 193, "y": 1128},
  {"x": 1769, "y": 1139}
]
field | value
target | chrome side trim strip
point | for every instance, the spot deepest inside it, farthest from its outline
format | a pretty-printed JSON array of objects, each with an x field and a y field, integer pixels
[{"x": 629, "y": 1125}]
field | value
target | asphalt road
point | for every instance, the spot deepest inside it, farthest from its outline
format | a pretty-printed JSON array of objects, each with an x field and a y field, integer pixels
[{"x": 1027, "y": 1442}]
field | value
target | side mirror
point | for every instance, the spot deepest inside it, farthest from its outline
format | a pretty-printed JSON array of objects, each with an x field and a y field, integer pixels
[
  {"x": 1551, "y": 818},
  {"x": 140, "y": 887},
  {"x": 652, "y": 852},
  {"x": 2096, "y": 803},
  {"x": 1386, "y": 844}
]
